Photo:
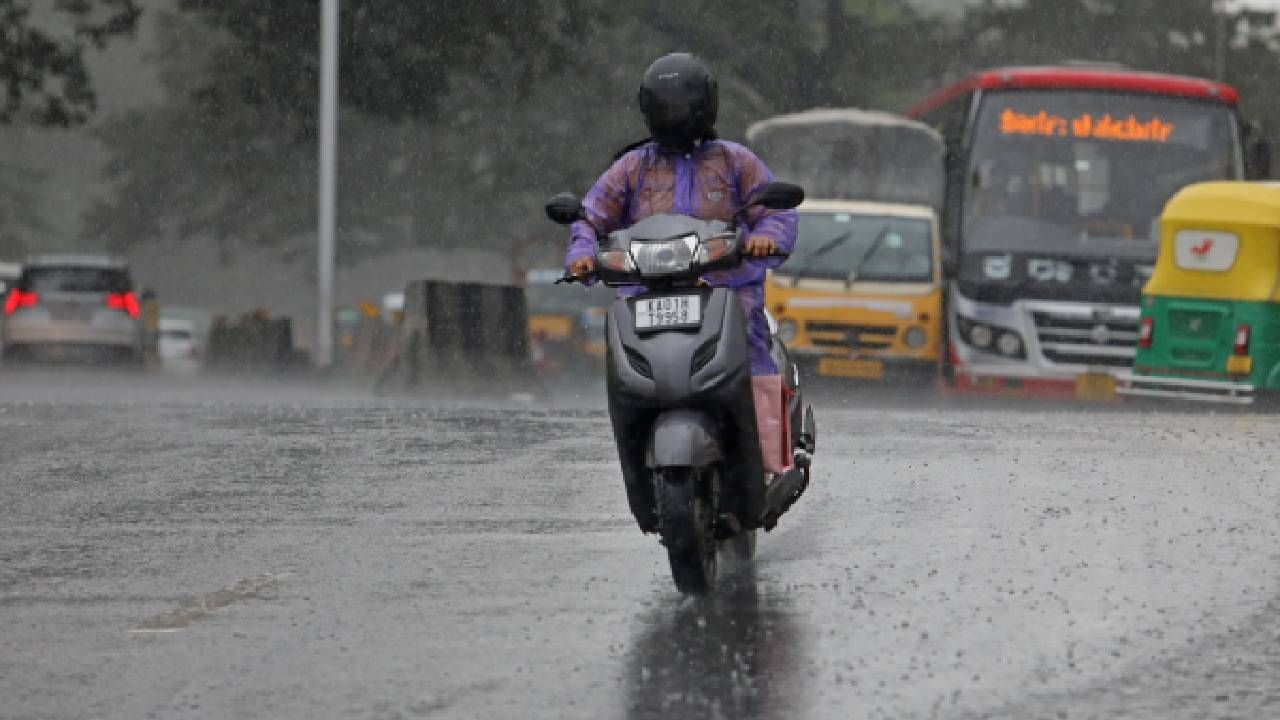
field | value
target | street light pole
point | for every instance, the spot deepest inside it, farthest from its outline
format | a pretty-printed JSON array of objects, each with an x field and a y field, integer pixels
[{"x": 328, "y": 173}]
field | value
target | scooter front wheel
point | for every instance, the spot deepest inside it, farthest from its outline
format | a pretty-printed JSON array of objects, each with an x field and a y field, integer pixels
[
  {"x": 687, "y": 512},
  {"x": 743, "y": 545}
]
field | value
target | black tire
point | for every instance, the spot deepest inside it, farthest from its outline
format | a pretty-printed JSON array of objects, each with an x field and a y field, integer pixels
[
  {"x": 687, "y": 517},
  {"x": 742, "y": 546}
]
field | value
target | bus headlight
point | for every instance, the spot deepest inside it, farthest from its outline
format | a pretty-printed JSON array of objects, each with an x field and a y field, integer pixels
[
  {"x": 980, "y": 336},
  {"x": 915, "y": 337},
  {"x": 1009, "y": 344},
  {"x": 787, "y": 330}
]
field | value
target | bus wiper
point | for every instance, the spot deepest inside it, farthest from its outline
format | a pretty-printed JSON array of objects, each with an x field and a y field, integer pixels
[
  {"x": 871, "y": 250},
  {"x": 823, "y": 249}
]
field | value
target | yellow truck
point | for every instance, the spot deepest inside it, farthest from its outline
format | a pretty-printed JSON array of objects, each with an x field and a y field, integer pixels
[{"x": 861, "y": 296}]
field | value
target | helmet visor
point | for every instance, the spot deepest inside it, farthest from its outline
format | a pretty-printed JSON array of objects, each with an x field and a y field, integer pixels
[{"x": 664, "y": 114}]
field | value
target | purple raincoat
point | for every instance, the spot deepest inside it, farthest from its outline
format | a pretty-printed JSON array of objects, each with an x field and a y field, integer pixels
[{"x": 707, "y": 183}]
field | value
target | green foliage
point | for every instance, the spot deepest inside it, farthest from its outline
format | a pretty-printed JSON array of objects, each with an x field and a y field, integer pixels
[
  {"x": 42, "y": 58},
  {"x": 19, "y": 219},
  {"x": 1166, "y": 35},
  {"x": 459, "y": 118},
  {"x": 1185, "y": 37}
]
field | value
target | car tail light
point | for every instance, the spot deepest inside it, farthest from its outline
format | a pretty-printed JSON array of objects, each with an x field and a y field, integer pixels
[
  {"x": 1146, "y": 332},
  {"x": 1242, "y": 340},
  {"x": 19, "y": 299},
  {"x": 127, "y": 302}
]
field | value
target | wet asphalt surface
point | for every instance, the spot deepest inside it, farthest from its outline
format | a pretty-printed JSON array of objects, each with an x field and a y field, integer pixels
[{"x": 248, "y": 549}]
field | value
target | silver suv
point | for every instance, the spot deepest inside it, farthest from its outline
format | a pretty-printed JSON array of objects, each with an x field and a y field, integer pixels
[{"x": 75, "y": 309}]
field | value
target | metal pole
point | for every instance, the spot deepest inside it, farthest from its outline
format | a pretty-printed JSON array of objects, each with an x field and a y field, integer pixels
[{"x": 328, "y": 172}]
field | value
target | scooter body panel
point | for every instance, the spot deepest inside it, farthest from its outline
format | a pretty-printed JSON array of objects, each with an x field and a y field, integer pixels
[
  {"x": 682, "y": 374},
  {"x": 683, "y": 438}
]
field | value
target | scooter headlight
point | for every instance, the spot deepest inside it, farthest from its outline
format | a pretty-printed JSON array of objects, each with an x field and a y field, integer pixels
[
  {"x": 664, "y": 257},
  {"x": 714, "y": 249},
  {"x": 615, "y": 260}
]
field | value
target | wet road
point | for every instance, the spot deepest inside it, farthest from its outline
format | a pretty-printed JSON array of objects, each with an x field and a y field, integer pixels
[{"x": 249, "y": 550}]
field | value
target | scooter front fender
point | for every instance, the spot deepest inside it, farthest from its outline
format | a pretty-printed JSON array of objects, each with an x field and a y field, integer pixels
[{"x": 683, "y": 438}]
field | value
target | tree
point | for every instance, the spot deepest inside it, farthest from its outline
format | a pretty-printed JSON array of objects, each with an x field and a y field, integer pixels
[
  {"x": 1177, "y": 36},
  {"x": 19, "y": 218},
  {"x": 456, "y": 122},
  {"x": 42, "y": 56}
]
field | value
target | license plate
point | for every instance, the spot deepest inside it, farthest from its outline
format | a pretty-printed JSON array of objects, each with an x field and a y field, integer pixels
[
  {"x": 860, "y": 368},
  {"x": 1239, "y": 365},
  {"x": 1095, "y": 386},
  {"x": 671, "y": 311},
  {"x": 64, "y": 311}
]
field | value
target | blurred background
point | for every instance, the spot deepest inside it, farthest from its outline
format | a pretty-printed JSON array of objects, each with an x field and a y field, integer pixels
[{"x": 181, "y": 134}]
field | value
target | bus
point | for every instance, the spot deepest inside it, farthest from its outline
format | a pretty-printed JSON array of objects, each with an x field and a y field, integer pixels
[
  {"x": 1056, "y": 177},
  {"x": 861, "y": 296}
]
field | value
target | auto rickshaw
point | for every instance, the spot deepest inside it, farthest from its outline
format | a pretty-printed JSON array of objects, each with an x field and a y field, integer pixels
[{"x": 1210, "y": 323}]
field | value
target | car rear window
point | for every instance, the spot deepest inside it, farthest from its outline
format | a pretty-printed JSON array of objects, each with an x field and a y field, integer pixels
[{"x": 75, "y": 279}]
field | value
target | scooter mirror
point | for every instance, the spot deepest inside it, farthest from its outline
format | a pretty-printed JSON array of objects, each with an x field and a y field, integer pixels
[
  {"x": 780, "y": 196},
  {"x": 565, "y": 209}
]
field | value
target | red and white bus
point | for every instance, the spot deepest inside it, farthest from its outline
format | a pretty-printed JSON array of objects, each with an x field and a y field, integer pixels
[{"x": 1056, "y": 179}]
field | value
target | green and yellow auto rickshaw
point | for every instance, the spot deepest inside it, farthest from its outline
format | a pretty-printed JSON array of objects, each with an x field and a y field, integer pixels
[{"x": 1210, "y": 324}]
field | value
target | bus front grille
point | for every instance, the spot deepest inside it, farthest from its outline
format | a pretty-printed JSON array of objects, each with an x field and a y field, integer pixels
[
  {"x": 846, "y": 335},
  {"x": 1083, "y": 335}
]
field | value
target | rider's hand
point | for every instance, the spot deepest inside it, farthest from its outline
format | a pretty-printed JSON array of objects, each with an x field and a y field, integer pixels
[
  {"x": 583, "y": 268},
  {"x": 760, "y": 246}
]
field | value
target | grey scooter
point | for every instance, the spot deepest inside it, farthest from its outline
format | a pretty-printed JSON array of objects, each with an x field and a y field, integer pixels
[{"x": 679, "y": 389}]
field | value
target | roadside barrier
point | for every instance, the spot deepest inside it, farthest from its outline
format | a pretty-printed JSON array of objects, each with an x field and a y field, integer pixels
[
  {"x": 256, "y": 343},
  {"x": 465, "y": 337}
]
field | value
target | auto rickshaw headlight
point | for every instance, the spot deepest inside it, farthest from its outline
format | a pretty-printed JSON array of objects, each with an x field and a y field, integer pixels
[
  {"x": 787, "y": 330},
  {"x": 915, "y": 337}
]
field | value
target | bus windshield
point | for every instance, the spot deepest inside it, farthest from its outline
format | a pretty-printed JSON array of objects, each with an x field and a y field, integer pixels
[
  {"x": 855, "y": 247},
  {"x": 1052, "y": 169}
]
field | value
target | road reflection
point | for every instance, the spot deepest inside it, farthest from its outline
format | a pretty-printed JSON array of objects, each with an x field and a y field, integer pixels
[{"x": 734, "y": 654}]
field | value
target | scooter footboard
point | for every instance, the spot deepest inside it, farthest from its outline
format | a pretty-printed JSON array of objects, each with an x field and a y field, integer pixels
[{"x": 683, "y": 438}]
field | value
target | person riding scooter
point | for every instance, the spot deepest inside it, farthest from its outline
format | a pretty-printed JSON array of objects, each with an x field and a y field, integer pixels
[{"x": 685, "y": 169}]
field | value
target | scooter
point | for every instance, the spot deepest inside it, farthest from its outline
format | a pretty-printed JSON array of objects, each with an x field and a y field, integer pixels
[{"x": 679, "y": 388}]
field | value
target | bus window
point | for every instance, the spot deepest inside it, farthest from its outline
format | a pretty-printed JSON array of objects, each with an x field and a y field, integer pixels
[
  {"x": 1058, "y": 166},
  {"x": 868, "y": 248}
]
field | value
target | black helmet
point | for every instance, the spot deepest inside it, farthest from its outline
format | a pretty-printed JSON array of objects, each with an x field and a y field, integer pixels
[{"x": 679, "y": 99}]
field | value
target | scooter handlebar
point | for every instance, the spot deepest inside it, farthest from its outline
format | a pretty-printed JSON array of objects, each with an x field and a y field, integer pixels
[{"x": 570, "y": 279}]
